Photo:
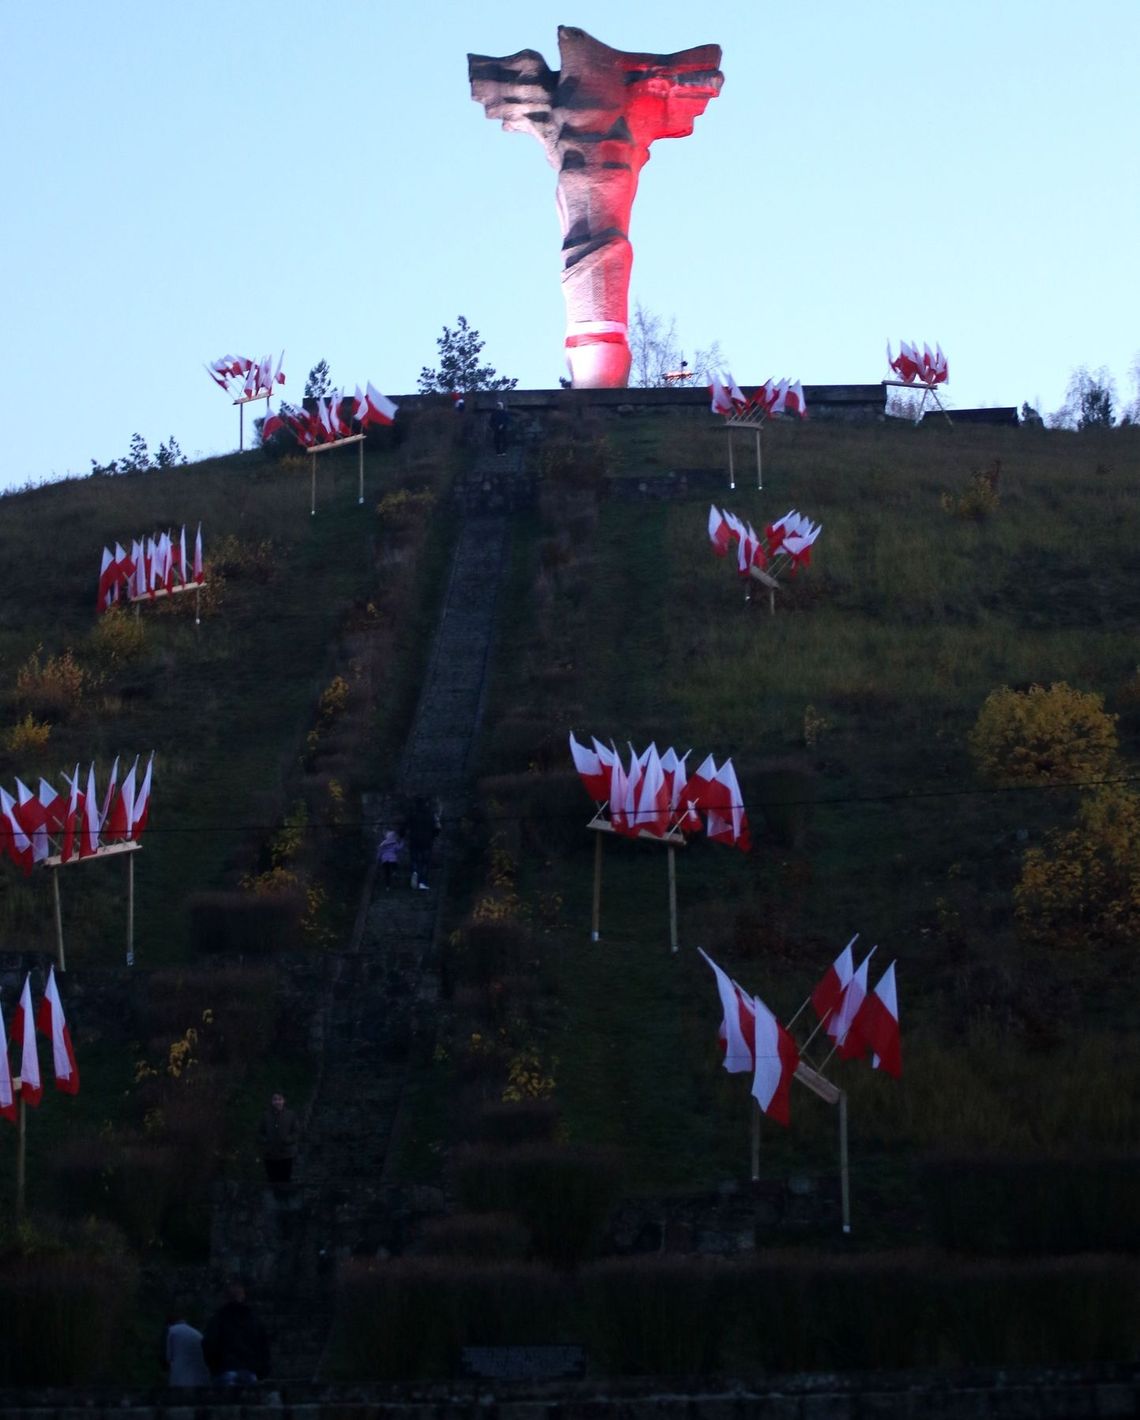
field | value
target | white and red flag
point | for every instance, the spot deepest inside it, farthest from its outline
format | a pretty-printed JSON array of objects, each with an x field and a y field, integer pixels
[
  {"x": 7, "y": 1095},
  {"x": 776, "y": 1061},
  {"x": 142, "y": 802},
  {"x": 652, "y": 796},
  {"x": 594, "y": 774},
  {"x": 51, "y": 1022},
  {"x": 738, "y": 1023},
  {"x": 32, "y": 813},
  {"x": 848, "y": 1045},
  {"x": 735, "y": 393},
  {"x": 89, "y": 836},
  {"x": 199, "y": 565},
  {"x": 106, "y": 576},
  {"x": 727, "y": 820},
  {"x": 14, "y": 839},
  {"x": 675, "y": 776},
  {"x": 24, "y": 1034},
  {"x": 67, "y": 848},
  {"x": 121, "y": 816},
  {"x": 876, "y": 1025},
  {"x": 828, "y": 993},
  {"x": 378, "y": 409},
  {"x": 795, "y": 402},
  {"x": 721, "y": 399},
  {"x": 720, "y": 533}
]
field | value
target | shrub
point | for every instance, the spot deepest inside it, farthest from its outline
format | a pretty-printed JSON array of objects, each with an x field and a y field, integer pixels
[
  {"x": 979, "y": 498},
  {"x": 409, "y": 1318},
  {"x": 655, "y": 1316},
  {"x": 27, "y": 736},
  {"x": 118, "y": 638},
  {"x": 1034, "y": 1206},
  {"x": 55, "y": 686},
  {"x": 66, "y": 1295},
  {"x": 247, "y": 923},
  {"x": 405, "y": 508},
  {"x": 564, "y": 1196},
  {"x": 1084, "y": 883},
  {"x": 1043, "y": 735}
]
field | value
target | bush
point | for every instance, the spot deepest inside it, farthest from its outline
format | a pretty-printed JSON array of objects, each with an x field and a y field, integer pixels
[
  {"x": 66, "y": 1295},
  {"x": 246, "y": 923},
  {"x": 27, "y": 736},
  {"x": 1023, "y": 1207},
  {"x": 55, "y": 686},
  {"x": 118, "y": 638},
  {"x": 1043, "y": 735},
  {"x": 564, "y": 1196},
  {"x": 655, "y": 1316},
  {"x": 980, "y": 497},
  {"x": 241, "y": 1003},
  {"x": 408, "y": 1319}
]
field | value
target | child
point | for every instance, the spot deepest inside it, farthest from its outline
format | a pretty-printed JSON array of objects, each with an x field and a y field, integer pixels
[{"x": 391, "y": 850}]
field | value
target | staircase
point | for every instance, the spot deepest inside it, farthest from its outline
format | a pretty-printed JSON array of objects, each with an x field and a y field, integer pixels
[{"x": 378, "y": 1008}]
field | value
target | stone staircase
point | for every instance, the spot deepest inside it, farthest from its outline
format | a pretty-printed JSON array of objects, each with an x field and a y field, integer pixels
[{"x": 377, "y": 1009}]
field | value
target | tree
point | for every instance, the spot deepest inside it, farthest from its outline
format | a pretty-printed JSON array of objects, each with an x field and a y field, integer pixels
[
  {"x": 138, "y": 458},
  {"x": 459, "y": 369},
  {"x": 1044, "y": 735},
  {"x": 655, "y": 350},
  {"x": 169, "y": 454},
  {"x": 1089, "y": 401},
  {"x": 318, "y": 384}
]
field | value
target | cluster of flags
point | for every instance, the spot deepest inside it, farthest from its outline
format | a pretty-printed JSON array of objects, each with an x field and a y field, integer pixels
[
  {"x": 81, "y": 819},
  {"x": 152, "y": 564},
  {"x": 333, "y": 417},
  {"x": 246, "y": 379},
  {"x": 860, "y": 1023},
  {"x": 656, "y": 795},
  {"x": 49, "y": 1020},
  {"x": 786, "y": 542},
  {"x": 771, "y": 398},
  {"x": 925, "y": 368}
]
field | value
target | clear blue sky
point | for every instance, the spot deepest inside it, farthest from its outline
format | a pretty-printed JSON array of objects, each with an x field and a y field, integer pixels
[{"x": 183, "y": 181}]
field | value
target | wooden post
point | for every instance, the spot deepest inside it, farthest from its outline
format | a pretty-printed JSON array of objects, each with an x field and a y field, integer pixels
[
  {"x": 360, "y": 500},
  {"x": 672, "y": 898},
  {"x": 731, "y": 470},
  {"x": 755, "y": 1139},
  {"x": 241, "y": 428},
  {"x": 844, "y": 1189},
  {"x": 197, "y": 605},
  {"x": 58, "y": 920},
  {"x": 130, "y": 909},
  {"x": 759, "y": 473},
  {"x": 313, "y": 494},
  {"x": 21, "y": 1145},
  {"x": 595, "y": 935}
]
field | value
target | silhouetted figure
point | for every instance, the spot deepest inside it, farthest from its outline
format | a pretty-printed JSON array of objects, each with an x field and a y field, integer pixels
[
  {"x": 235, "y": 1345},
  {"x": 278, "y": 1133},
  {"x": 182, "y": 1356},
  {"x": 500, "y": 423}
]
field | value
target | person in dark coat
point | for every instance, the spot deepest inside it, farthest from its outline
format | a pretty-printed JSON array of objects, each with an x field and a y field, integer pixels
[
  {"x": 235, "y": 1345},
  {"x": 278, "y": 1133},
  {"x": 500, "y": 423},
  {"x": 423, "y": 825}
]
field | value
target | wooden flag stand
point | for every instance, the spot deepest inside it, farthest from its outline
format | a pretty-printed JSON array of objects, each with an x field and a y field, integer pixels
[
  {"x": 672, "y": 840},
  {"x": 927, "y": 389},
  {"x": 316, "y": 449},
  {"x": 241, "y": 403},
  {"x": 745, "y": 419},
  {"x": 110, "y": 850},
  {"x": 195, "y": 587},
  {"x": 822, "y": 1087}
]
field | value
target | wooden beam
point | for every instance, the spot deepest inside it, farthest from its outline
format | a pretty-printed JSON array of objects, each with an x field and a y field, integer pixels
[
  {"x": 672, "y": 837},
  {"x": 107, "y": 850},
  {"x": 817, "y": 1083},
  {"x": 336, "y": 444},
  {"x": 162, "y": 592}
]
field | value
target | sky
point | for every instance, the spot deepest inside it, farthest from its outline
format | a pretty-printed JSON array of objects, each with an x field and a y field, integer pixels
[{"x": 183, "y": 181}]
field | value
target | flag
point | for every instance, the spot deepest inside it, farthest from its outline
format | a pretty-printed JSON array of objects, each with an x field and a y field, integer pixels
[
  {"x": 24, "y": 1034},
  {"x": 7, "y": 1095},
  {"x": 120, "y": 818},
  {"x": 32, "y": 815},
  {"x": 876, "y": 1025},
  {"x": 50, "y": 1021},
  {"x": 653, "y": 796},
  {"x": 776, "y": 1061},
  {"x": 89, "y": 836},
  {"x": 595, "y": 776},
  {"x": 839, "y": 1026},
  {"x": 826, "y": 996},
  {"x": 141, "y": 808},
  {"x": 727, "y": 820},
  {"x": 675, "y": 775},
  {"x": 377, "y": 408},
  {"x": 106, "y": 573},
  {"x": 67, "y": 847},
  {"x": 738, "y": 1026},
  {"x": 735, "y": 393},
  {"x": 13, "y": 839},
  {"x": 199, "y": 566},
  {"x": 721, "y": 399},
  {"x": 719, "y": 533},
  {"x": 797, "y": 404}
]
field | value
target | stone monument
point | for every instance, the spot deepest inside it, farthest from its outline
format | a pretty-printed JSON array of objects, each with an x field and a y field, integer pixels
[{"x": 596, "y": 118}]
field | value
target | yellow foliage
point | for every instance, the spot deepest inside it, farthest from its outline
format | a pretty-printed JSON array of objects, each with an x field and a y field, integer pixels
[
  {"x": 1043, "y": 735},
  {"x": 527, "y": 1079},
  {"x": 52, "y": 686},
  {"x": 27, "y": 736},
  {"x": 333, "y": 699},
  {"x": 403, "y": 507},
  {"x": 278, "y": 879},
  {"x": 118, "y": 637},
  {"x": 1085, "y": 882},
  {"x": 289, "y": 838}
]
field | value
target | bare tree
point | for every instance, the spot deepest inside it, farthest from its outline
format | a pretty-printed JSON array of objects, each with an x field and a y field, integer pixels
[{"x": 653, "y": 346}]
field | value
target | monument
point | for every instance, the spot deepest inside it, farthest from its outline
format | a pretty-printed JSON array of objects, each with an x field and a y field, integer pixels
[{"x": 596, "y": 118}]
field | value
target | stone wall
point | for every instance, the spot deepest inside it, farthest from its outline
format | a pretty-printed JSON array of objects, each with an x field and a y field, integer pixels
[{"x": 1079, "y": 1393}]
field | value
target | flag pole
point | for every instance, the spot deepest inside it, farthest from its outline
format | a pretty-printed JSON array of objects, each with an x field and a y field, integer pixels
[
  {"x": 58, "y": 919},
  {"x": 360, "y": 500},
  {"x": 596, "y": 921},
  {"x": 755, "y": 1139},
  {"x": 759, "y": 470},
  {"x": 672, "y": 898},
  {"x": 130, "y": 909},
  {"x": 313, "y": 493},
  {"x": 844, "y": 1189},
  {"x": 197, "y": 605},
  {"x": 731, "y": 469},
  {"x": 21, "y": 1145}
]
